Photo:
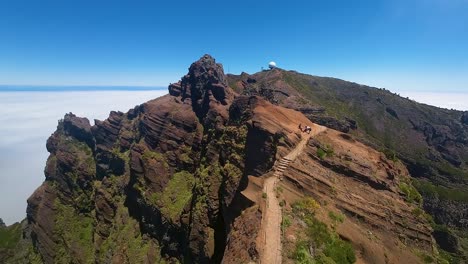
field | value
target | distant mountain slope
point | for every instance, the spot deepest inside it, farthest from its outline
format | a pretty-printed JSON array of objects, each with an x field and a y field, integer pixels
[{"x": 433, "y": 142}]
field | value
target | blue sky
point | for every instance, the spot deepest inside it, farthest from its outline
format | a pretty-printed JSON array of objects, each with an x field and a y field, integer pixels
[{"x": 399, "y": 44}]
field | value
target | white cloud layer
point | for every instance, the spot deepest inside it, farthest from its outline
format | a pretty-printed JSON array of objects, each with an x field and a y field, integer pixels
[
  {"x": 27, "y": 119},
  {"x": 458, "y": 101}
]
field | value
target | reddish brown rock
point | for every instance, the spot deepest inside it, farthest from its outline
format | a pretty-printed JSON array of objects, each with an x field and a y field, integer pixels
[{"x": 40, "y": 215}]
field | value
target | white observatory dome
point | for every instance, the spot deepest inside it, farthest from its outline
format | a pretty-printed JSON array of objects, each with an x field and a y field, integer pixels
[{"x": 272, "y": 65}]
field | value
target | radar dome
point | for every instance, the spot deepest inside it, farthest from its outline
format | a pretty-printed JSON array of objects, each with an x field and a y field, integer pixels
[{"x": 272, "y": 65}]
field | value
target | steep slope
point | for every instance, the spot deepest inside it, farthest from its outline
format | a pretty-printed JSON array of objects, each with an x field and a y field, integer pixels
[
  {"x": 179, "y": 179},
  {"x": 342, "y": 177},
  {"x": 431, "y": 141}
]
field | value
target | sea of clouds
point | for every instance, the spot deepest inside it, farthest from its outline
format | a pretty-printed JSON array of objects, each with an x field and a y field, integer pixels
[
  {"x": 452, "y": 100},
  {"x": 28, "y": 118}
]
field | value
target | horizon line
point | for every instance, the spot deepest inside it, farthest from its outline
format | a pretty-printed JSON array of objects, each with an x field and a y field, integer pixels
[{"x": 69, "y": 88}]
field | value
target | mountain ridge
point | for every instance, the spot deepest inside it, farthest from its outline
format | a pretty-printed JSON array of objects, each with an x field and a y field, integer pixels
[{"x": 164, "y": 181}]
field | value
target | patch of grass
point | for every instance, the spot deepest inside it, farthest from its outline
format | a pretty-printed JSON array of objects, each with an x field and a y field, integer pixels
[
  {"x": 264, "y": 195},
  {"x": 77, "y": 231},
  {"x": 175, "y": 195},
  {"x": 328, "y": 247},
  {"x": 390, "y": 154},
  {"x": 124, "y": 236},
  {"x": 185, "y": 158},
  {"x": 9, "y": 236},
  {"x": 441, "y": 192},
  {"x": 325, "y": 244},
  {"x": 32, "y": 256},
  {"x": 336, "y": 217},
  {"x": 446, "y": 258},
  {"x": 306, "y": 206},
  {"x": 447, "y": 169},
  {"x": 152, "y": 155},
  {"x": 411, "y": 194},
  {"x": 286, "y": 222},
  {"x": 232, "y": 171},
  {"x": 321, "y": 153},
  {"x": 279, "y": 189},
  {"x": 301, "y": 254},
  {"x": 417, "y": 212},
  {"x": 425, "y": 257},
  {"x": 326, "y": 151},
  {"x": 125, "y": 156},
  {"x": 82, "y": 153}
]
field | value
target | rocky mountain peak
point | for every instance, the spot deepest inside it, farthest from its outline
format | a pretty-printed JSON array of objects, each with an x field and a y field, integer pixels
[
  {"x": 204, "y": 83},
  {"x": 72, "y": 126}
]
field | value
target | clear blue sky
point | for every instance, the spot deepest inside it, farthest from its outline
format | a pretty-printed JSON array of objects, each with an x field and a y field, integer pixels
[{"x": 398, "y": 44}]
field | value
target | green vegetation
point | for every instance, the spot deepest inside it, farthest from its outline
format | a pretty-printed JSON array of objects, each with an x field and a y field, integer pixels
[
  {"x": 320, "y": 244},
  {"x": 231, "y": 171},
  {"x": 82, "y": 152},
  {"x": 390, "y": 154},
  {"x": 279, "y": 189},
  {"x": 84, "y": 167},
  {"x": 445, "y": 258},
  {"x": 441, "y": 192},
  {"x": 336, "y": 217},
  {"x": 77, "y": 232},
  {"x": 264, "y": 195},
  {"x": 184, "y": 157},
  {"x": 32, "y": 256},
  {"x": 125, "y": 156},
  {"x": 418, "y": 212},
  {"x": 148, "y": 155},
  {"x": 286, "y": 222},
  {"x": 232, "y": 140},
  {"x": 321, "y": 153},
  {"x": 411, "y": 194},
  {"x": 306, "y": 206},
  {"x": 125, "y": 237},
  {"x": 176, "y": 194},
  {"x": 9, "y": 236},
  {"x": 325, "y": 151},
  {"x": 75, "y": 145},
  {"x": 441, "y": 258},
  {"x": 446, "y": 168}
]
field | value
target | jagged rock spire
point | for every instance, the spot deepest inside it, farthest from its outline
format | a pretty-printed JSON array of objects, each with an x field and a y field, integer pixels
[{"x": 204, "y": 83}]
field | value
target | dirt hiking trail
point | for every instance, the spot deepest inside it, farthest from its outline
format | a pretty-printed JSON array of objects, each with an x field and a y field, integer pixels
[{"x": 272, "y": 215}]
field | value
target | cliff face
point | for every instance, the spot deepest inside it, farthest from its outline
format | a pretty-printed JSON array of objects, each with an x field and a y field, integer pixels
[{"x": 180, "y": 178}]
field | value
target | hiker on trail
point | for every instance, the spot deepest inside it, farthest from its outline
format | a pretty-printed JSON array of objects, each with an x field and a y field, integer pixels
[
  {"x": 300, "y": 127},
  {"x": 308, "y": 129}
]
